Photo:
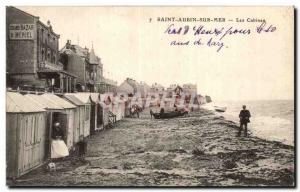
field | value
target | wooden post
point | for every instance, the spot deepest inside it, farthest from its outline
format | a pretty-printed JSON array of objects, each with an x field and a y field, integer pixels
[
  {"x": 50, "y": 135},
  {"x": 67, "y": 84},
  {"x": 70, "y": 84},
  {"x": 74, "y": 84},
  {"x": 61, "y": 83}
]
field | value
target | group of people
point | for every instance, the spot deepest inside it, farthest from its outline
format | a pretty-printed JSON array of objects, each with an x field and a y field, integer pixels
[
  {"x": 244, "y": 119},
  {"x": 59, "y": 148}
]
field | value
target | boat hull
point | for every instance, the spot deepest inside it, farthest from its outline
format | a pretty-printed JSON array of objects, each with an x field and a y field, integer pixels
[
  {"x": 169, "y": 115},
  {"x": 220, "y": 109}
]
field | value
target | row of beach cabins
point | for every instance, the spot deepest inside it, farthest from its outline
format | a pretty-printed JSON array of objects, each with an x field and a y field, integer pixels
[{"x": 30, "y": 118}]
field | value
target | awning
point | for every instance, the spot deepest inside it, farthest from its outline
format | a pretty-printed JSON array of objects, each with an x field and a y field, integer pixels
[{"x": 46, "y": 73}]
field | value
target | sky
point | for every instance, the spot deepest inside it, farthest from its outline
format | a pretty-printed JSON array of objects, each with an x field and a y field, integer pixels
[{"x": 248, "y": 67}]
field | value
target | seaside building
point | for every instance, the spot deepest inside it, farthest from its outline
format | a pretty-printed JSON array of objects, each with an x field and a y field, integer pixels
[
  {"x": 131, "y": 86},
  {"x": 32, "y": 55},
  {"x": 189, "y": 89},
  {"x": 157, "y": 88},
  {"x": 143, "y": 88},
  {"x": 171, "y": 88},
  {"x": 95, "y": 71},
  {"x": 108, "y": 85},
  {"x": 126, "y": 87},
  {"x": 88, "y": 67},
  {"x": 174, "y": 89}
]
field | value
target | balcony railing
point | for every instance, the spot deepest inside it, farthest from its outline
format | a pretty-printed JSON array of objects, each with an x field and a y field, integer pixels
[{"x": 48, "y": 65}]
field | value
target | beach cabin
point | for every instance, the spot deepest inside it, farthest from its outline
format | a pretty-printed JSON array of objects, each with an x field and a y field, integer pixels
[
  {"x": 122, "y": 108},
  {"x": 58, "y": 110},
  {"x": 102, "y": 110},
  {"x": 86, "y": 99},
  {"x": 25, "y": 135},
  {"x": 79, "y": 117},
  {"x": 96, "y": 113},
  {"x": 119, "y": 108},
  {"x": 67, "y": 119},
  {"x": 128, "y": 104},
  {"x": 112, "y": 107},
  {"x": 104, "y": 103}
]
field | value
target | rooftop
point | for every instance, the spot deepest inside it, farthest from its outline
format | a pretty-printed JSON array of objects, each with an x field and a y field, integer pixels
[{"x": 17, "y": 103}]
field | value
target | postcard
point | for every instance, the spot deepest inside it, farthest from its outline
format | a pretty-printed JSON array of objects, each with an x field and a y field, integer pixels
[{"x": 150, "y": 96}]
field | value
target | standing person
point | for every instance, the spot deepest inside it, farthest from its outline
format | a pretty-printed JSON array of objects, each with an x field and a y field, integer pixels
[
  {"x": 151, "y": 113},
  {"x": 244, "y": 120},
  {"x": 176, "y": 108},
  {"x": 132, "y": 111},
  {"x": 57, "y": 132},
  {"x": 137, "y": 112},
  {"x": 161, "y": 113},
  {"x": 82, "y": 145},
  {"x": 58, "y": 146}
]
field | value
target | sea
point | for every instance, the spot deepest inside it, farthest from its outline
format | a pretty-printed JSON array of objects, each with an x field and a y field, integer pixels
[{"x": 270, "y": 119}]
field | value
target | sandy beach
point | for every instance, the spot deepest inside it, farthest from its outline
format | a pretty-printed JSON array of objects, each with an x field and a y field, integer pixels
[{"x": 200, "y": 149}]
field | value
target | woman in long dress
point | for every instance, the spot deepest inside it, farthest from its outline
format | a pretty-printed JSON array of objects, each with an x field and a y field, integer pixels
[{"x": 58, "y": 146}]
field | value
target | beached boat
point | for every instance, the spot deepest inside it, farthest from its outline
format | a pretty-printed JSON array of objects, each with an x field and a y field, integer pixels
[
  {"x": 220, "y": 109},
  {"x": 171, "y": 114}
]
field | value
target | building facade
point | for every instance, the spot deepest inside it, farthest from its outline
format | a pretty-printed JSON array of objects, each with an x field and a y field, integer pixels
[
  {"x": 157, "y": 88},
  {"x": 131, "y": 86},
  {"x": 189, "y": 89},
  {"x": 107, "y": 86},
  {"x": 88, "y": 68},
  {"x": 32, "y": 54}
]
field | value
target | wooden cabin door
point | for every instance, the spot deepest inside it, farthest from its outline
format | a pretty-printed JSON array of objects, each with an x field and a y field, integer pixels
[
  {"x": 99, "y": 116},
  {"x": 71, "y": 129},
  {"x": 82, "y": 121},
  {"x": 32, "y": 142},
  {"x": 76, "y": 131},
  {"x": 92, "y": 119},
  {"x": 48, "y": 135},
  {"x": 87, "y": 121}
]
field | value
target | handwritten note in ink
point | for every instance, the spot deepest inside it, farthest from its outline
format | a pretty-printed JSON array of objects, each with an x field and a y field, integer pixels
[{"x": 197, "y": 32}]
